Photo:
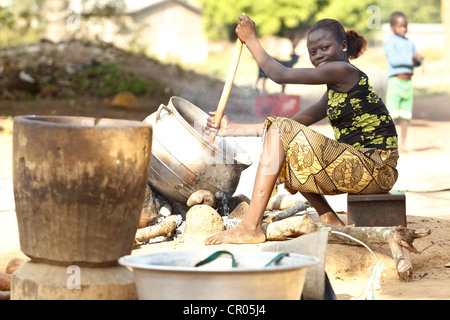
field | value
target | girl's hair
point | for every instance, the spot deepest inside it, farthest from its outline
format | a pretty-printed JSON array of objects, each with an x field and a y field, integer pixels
[{"x": 356, "y": 43}]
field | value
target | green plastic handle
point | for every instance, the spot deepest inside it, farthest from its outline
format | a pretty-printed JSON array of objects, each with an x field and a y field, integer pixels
[
  {"x": 277, "y": 258},
  {"x": 216, "y": 254}
]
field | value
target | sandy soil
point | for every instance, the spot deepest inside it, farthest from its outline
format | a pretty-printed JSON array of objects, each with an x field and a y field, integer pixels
[{"x": 423, "y": 174}]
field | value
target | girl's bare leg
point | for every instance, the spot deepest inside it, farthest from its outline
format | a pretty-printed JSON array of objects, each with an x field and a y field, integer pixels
[
  {"x": 326, "y": 213},
  {"x": 250, "y": 230}
]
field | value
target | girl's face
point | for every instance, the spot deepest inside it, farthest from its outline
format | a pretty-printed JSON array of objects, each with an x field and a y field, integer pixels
[
  {"x": 400, "y": 27},
  {"x": 323, "y": 48}
]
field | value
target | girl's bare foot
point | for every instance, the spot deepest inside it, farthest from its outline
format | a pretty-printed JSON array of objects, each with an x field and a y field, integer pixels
[
  {"x": 238, "y": 235},
  {"x": 331, "y": 218}
]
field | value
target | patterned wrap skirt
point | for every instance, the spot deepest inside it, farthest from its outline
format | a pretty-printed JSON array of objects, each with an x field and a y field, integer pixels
[{"x": 317, "y": 164}]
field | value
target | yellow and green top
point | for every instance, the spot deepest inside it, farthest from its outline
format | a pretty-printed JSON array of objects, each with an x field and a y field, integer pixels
[{"x": 360, "y": 118}]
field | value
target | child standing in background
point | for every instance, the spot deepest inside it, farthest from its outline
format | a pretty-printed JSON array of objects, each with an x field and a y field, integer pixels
[{"x": 402, "y": 58}]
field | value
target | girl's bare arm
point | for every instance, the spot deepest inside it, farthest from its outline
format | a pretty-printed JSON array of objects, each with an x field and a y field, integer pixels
[
  {"x": 314, "y": 113},
  {"x": 308, "y": 116}
]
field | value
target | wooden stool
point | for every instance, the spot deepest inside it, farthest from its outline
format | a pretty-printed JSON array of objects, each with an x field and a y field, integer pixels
[{"x": 388, "y": 209}]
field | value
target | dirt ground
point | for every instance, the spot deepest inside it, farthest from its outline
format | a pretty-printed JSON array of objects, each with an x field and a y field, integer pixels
[{"x": 423, "y": 174}]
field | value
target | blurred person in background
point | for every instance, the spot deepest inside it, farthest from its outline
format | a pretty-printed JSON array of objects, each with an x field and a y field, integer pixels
[{"x": 402, "y": 58}]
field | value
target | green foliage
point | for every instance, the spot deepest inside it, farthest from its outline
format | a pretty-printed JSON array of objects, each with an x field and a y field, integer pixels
[
  {"x": 15, "y": 24},
  {"x": 22, "y": 22},
  {"x": 289, "y": 18},
  {"x": 417, "y": 11},
  {"x": 351, "y": 13},
  {"x": 6, "y": 17},
  {"x": 272, "y": 17},
  {"x": 104, "y": 7},
  {"x": 108, "y": 79}
]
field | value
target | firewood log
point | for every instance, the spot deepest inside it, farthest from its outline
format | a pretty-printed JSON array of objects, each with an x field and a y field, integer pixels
[
  {"x": 165, "y": 228},
  {"x": 290, "y": 227},
  {"x": 297, "y": 208},
  {"x": 399, "y": 239}
]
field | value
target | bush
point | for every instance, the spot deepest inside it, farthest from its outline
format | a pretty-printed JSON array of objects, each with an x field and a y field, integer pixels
[{"x": 108, "y": 79}]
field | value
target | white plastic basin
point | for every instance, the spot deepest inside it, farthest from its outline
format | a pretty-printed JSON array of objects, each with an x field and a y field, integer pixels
[{"x": 173, "y": 275}]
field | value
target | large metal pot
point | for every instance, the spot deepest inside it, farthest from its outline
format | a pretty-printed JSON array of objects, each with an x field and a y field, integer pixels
[{"x": 183, "y": 161}]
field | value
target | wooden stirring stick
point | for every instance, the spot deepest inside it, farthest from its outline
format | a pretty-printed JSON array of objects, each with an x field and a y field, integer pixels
[{"x": 227, "y": 88}]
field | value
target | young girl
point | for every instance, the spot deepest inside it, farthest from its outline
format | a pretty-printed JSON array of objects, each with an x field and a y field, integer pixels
[{"x": 363, "y": 157}]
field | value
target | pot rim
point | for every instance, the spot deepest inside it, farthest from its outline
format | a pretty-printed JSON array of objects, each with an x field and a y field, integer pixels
[
  {"x": 199, "y": 137},
  {"x": 82, "y": 121}
]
